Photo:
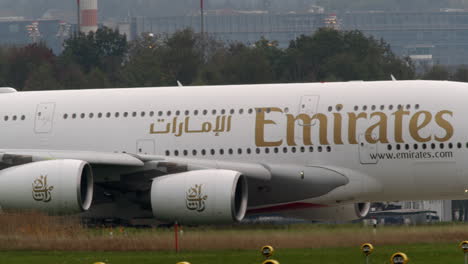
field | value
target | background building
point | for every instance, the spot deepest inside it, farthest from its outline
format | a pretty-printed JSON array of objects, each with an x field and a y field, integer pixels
[
  {"x": 20, "y": 31},
  {"x": 427, "y": 37}
]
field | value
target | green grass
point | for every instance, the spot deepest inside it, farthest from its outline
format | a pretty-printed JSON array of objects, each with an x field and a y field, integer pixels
[{"x": 418, "y": 253}]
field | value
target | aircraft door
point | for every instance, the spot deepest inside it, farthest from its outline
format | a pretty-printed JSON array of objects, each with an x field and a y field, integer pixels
[
  {"x": 44, "y": 118},
  {"x": 145, "y": 146},
  {"x": 308, "y": 105},
  {"x": 367, "y": 151}
]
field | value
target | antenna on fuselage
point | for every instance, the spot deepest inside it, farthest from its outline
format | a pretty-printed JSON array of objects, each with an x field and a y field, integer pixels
[
  {"x": 179, "y": 84},
  {"x": 393, "y": 78}
]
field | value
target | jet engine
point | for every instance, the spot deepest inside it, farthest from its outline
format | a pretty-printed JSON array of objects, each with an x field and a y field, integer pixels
[
  {"x": 340, "y": 213},
  {"x": 200, "y": 197},
  {"x": 53, "y": 186}
]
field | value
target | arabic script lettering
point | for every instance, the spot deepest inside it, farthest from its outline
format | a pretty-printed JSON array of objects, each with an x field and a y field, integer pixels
[
  {"x": 195, "y": 199},
  {"x": 41, "y": 192}
]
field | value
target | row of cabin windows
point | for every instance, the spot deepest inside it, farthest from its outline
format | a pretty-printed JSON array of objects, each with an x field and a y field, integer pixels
[
  {"x": 241, "y": 151},
  {"x": 14, "y": 118},
  {"x": 241, "y": 111},
  {"x": 426, "y": 146},
  {"x": 339, "y": 107},
  {"x": 165, "y": 113}
]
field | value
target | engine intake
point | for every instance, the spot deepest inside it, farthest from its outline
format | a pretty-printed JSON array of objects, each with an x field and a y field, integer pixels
[
  {"x": 200, "y": 197},
  {"x": 53, "y": 186}
]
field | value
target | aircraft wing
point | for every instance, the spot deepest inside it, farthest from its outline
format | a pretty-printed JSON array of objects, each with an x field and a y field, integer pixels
[
  {"x": 155, "y": 166},
  {"x": 14, "y": 157},
  {"x": 117, "y": 175}
]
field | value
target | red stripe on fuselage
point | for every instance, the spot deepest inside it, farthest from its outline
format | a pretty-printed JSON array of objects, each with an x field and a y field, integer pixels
[{"x": 285, "y": 207}]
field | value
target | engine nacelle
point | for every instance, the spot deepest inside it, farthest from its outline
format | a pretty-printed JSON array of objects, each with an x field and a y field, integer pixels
[
  {"x": 53, "y": 186},
  {"x": 200, "y": 197},
  {"x": 340, "y": 213}
]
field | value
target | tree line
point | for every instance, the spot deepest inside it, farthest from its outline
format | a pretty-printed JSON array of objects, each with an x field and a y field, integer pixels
[{"x": 105, "y": 59}]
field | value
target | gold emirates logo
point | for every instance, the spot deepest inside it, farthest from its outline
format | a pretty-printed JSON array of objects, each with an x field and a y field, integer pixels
[
  {"x": 195, "y": 200},
  {"x": 41, "y": 192},
  {"x": 379, "y": 127}
]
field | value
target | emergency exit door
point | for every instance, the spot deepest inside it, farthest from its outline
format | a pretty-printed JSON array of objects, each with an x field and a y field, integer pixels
[
  {"x": 44, "y": 118},
  {"x": 367, "y": 151},
  {"x": 145, "y": 147}
]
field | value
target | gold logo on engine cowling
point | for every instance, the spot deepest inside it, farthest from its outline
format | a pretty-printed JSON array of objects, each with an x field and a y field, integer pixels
[
  {"x": 195, "y": 200},
  {"x": 41, "y": 192}
]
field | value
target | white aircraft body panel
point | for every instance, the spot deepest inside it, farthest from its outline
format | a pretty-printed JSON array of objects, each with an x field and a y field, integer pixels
[{"x": 403, "y": 140}]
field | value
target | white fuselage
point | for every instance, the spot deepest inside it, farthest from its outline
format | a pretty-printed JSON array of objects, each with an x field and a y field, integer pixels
[{"x": 417, "y": 152}]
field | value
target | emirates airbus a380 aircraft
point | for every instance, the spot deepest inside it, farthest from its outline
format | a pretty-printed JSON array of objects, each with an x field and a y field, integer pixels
[{"x": 212, "y": 155}]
